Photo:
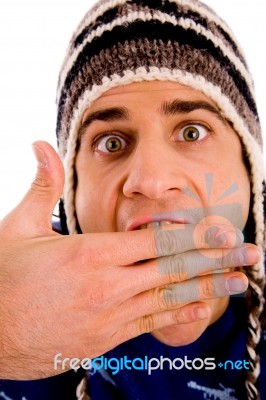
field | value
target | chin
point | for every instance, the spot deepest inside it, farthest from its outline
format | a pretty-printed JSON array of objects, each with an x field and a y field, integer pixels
[{"x": 181, "y": 335}]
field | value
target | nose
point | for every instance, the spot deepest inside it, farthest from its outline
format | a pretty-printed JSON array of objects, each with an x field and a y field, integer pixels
[{"x": 155, "y": 170}]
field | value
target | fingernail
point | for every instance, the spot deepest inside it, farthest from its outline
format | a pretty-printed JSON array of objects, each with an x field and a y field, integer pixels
[
  {"x": 235, "y": 285},
  {"x": 210, "y": 236},
  {"x": 234, "y": 238},
  {"x": 252, "y": 255},
  {"x": 215, "y": 238},
  {"x": 201, "y": 313},
  {"x": 247, "y": 256},
  {"x": 220, "y": 240},
  {"x": 40, "y": 156}
]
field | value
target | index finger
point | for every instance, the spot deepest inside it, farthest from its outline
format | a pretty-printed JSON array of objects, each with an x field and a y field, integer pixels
[
  {"x": 125, "y": 248},
  {"x": 184, "y": 237}
]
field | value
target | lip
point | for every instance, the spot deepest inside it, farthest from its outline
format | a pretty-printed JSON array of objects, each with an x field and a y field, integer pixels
[{"x": 148, "y": 220}]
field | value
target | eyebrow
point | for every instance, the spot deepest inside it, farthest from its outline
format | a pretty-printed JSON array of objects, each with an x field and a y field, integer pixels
[
  {"x": 107, "y": 114},
  {"x": 168, "y": 108},
  {"x": 185, "y": 107}
]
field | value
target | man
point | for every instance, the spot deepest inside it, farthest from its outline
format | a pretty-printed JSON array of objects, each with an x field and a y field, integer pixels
[{"x": 160, "y": 137}]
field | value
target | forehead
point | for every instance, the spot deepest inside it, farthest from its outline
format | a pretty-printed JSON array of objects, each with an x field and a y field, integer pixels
[{"x": 152, "y": 91}]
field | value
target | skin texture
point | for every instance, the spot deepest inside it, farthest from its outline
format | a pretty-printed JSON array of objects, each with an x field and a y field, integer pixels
[
  {"x": 151, "y": 167},
  {"x": 95, "y": 287}
]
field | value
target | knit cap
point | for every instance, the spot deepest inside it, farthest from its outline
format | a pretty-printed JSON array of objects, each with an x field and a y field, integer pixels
[{"x": 124, "y": 41}]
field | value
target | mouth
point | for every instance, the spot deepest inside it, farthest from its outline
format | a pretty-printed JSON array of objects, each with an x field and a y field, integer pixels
[{"x": 155, "y": 224}]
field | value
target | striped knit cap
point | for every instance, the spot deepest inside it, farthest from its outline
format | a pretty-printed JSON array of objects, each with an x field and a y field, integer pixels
[{"x": 124, "y": 41}]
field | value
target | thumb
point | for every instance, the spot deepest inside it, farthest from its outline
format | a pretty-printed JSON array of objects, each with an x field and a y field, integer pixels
[{"x": 32, "y": 217}]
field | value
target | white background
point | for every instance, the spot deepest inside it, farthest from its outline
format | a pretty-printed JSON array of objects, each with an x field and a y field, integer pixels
[{"x": 33, "y": 39}]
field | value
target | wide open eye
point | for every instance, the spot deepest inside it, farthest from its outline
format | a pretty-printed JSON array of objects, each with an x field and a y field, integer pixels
[
  {"x": 192, "y": 133},
  {"x": 111, "y": 144}
]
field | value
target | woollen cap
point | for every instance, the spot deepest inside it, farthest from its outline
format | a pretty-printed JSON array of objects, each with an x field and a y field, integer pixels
[{"x": 120, "y": 42}]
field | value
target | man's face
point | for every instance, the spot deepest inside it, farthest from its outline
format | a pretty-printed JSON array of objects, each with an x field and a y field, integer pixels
[{"x": 152, "y": 148}]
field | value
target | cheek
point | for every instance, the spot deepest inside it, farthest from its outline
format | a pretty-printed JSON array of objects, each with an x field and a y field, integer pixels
[
  {"x": 86, "y": 206},
  {"x": 234, "y": 170},
  {"x": 95, "y": 204},
  {"x": 234, "y": 198}
]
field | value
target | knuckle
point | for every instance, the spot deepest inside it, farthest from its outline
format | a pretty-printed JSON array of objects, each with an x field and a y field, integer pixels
[
  {"x": 85, "y": 254},
  {"x": 173, "y": 267},
  {"x": 165, "y": 242},
  {"x": 214, "y": 260},
  {"x": 159, "y": 299},
  {"x": 146, "y": 324},
  {"x": 235, "y": 258},
  {"x": 87, "y": 258},
  {"x": 39, "y": 184},
  {"x": 225, "y": 259},
  {"x": 97, "y": 299},
  {"x": 219, "y": 261},
  {"x": 180, "y": 316},
  {"x": 207, "y": 287}
]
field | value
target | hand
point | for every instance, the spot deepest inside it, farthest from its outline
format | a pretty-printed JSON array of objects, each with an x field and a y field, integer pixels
[
  {"x": 198, "y": 258},
  {"x": 82, "y": 295}
]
